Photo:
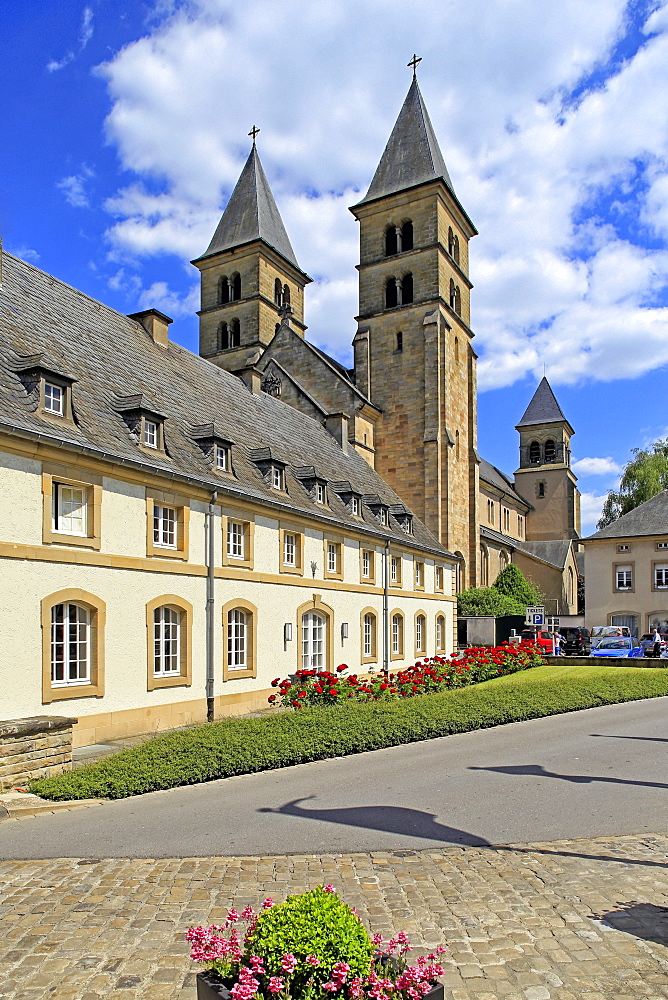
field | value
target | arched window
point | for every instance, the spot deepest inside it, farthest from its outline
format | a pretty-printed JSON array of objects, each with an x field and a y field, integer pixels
[
  {"x": 540, "y": 490},
  {"x": 369, "y": 623},
  {"x": 407, "y": 289},
  {"x": 390, "y": 293},
  {"x": 456, "y": 250},
  {"x": 400, "y": 342},
  {"x": 451, "y": 242},
  {"x": 235, "y": 333},
  {"x": 458, "y": 301},
  {"x": 452, "y": 294},
  {"x": 457, "y": 349},
  {"x": 484, "y": 566},
  {"x": 571, "y": 586},
  {"x": 169, "y": 642},
  {"x": 503, "y": 559},
  {"x": 534, "y": 453},
  {"x": 314, "y": 626},
  {"x": 223, "y": 290},
  {"x": 236, "y": 287},
  {"x": 550, "y": 450},
  {"x": 166, "y": 641},
  {"x": 286, "y": 295},
  {"x": 420, "y": 634},
  {"x": 390, "y": 241},
  {"x": 397, "y": 637},
  {"x": 278, "y": 292},
  {"x": 407, "y": 236},
  {"x": 460, "y": 573},
  {"x": 239, "y": 657},
  {"x": 440, "y": 633},
  {"x": 223, "y": 337},
  {"x": 73, "y": 655}
]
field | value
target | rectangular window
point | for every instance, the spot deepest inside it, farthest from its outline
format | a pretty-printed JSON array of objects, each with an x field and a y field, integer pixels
[
  {"x": 662, "y": 545},
  {"x": 624, "y": 578},
  {"x": 277, "y": 478},
  {"x": 438, "y": 577},
  {"x": 164, "y": 526},
  {"x": 623, "y": 548},
  {"x": 319, "y": 493},
  {"x": 419, "y": 574},
  {"x": 150, "y": 434},
  {"x": 394, "y": 569},
  {"x": 332, "y": 557},
  {"x": 69, "y": 509},
  {"x": 354, "y": 506},
  {"x": 382, "y": 516},
  {"x": 289, "y": 549},
  {"x": 222, "y": 458},
  {"x": 235, "y": 540},
  {"x": 661, "y": 577},
  {"x": 366, "y": 565},
  {"x": 54, "y": 399}
]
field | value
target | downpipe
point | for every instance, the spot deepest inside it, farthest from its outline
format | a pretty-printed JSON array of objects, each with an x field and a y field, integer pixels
[
  {"x": 210, "y": 542},
  {"x": 386, "y": 613}
]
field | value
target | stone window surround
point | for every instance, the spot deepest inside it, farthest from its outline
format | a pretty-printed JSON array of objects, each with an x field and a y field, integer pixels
[
  {"x": 420, "y": 614},
  {"x": 373, "y": 656},
  {"x": 182, "y": 505},
  {"x": 340, "y": 549},
  {"x": 229, "y": 673},
  {"x": 287, "y": 528},
  {"x": 402, "y": 624},
  {"x": 71, "y": 476},
  {"x": 184, "y": 676},
  {"x": 624, "y": 590},
  {"x": 97, "y": 610},
  {"x": 371, "y": 578},
  {"x": 316, "y": 604},
  {"x": 397, "y": 584},
  {"x": 248, "y": 522}
]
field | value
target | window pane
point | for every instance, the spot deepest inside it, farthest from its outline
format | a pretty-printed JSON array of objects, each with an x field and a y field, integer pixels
[
  {"x": 164, "y": 526},
  {"x": 238, "y": 623},
  {"x": 69, "y": 644},
  {"x": 54, "y": 398},
  {"x": 235, "y": 540},
  {"x": 70, "y": 509}
]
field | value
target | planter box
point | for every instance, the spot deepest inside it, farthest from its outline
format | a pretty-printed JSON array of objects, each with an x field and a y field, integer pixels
[{"x": 211, "y": 988}]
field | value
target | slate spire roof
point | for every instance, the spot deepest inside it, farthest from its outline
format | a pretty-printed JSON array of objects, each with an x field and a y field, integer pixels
[
  {"x": 412, "y": 155},
  {"x": 543, "y": 408},
  {"x": 252, "y": 214}
]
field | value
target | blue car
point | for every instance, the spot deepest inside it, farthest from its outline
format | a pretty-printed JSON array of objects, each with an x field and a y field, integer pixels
[{"x": 618, "y": 645}]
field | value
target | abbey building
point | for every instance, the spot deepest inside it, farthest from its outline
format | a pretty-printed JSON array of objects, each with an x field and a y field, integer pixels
[{"x": 180, "y": 529}]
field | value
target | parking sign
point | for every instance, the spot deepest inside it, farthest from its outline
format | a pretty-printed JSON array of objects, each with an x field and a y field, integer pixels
[{"x": 536, "y": 615}]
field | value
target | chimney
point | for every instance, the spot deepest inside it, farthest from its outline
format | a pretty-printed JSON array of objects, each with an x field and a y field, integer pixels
[
  {"x": 252, "y": 376},
  {"x": 337, "y": 425},
  {"x": 155, "y": 323}
]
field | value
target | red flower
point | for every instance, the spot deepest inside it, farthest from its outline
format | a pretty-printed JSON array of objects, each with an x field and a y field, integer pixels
[
  {"x": 341, "y": 668},
  {"x": 275, "y": 682},
  {"x": 302, "y": 694},
  {"x": 271, "y": 698},
  {"x": 333, "y": 691},
  {"x": 317, "y": 689}
]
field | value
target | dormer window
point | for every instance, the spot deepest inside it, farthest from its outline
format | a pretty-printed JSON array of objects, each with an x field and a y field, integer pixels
[
  {"x": 277, "y": 478},
  {"x": 319, "y": 493},
  {"x": 355, "y": 505},
  {"x": 145, "y": 424},
  {"x": 54, "y": 399},
  {"x": 222, "y": 458},
  {"x": 216, "y": 447},
  {"x": 382, "y": 515},
  {"x": 150, "y": 437}
]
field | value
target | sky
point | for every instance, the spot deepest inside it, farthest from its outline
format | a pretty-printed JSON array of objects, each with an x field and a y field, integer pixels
[{"x": 125, "y": 127}]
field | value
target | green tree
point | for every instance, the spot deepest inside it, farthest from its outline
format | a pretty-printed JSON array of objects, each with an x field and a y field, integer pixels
[
  {"x": 512, "y": 583},
  {"x": 488, "y": 601},
  {"x": 643, "y": 477}
]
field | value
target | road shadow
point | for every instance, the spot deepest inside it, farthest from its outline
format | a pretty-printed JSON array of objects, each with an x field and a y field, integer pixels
[
  {"x": 647, "y": 739},
  {"x": 643, "y": 920},
  {"x": 387, "y": 819},
  {"x": 538, "y": 771}
]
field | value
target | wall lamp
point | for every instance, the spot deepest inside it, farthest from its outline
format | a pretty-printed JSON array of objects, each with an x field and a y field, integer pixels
[
  {"x": 287, "y": 632},
  {"x": 344, "y": 630}
]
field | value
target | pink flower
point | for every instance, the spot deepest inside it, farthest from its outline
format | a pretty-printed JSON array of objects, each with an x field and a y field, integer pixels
[
  {"x": 332, "y": 987},
  {"x": 232, "y": 918},
  {"x": 288, "y": 963},
  {"x": 257, "y": 965},
  {"x": 377, "y": 939},
  {"x": 275, "y": 984},
  {"x": 328, "y": 888},
  {"x": 247, "y": 913},
  {"x": 312, "y": 960},
  {"x": 268, "y": 903}
]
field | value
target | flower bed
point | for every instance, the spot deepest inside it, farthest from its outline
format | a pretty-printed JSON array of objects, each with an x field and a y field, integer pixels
[
  {"x": 310, "y": 947},
  {"x": 436, "y": 673}
]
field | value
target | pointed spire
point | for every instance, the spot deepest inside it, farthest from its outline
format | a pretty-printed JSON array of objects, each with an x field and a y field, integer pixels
[
  {"x": 412, "y": 155},
  {"x": 543, "y": 408},
  {"x": 252, "y": 214}
]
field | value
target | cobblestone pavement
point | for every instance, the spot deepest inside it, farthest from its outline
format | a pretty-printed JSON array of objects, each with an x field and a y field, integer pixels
[{"x": 568, "y": 920}]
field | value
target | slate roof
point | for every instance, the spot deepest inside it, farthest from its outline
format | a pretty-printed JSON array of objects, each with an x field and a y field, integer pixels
[
  {"x": 412, "y": 154},
  {"x": 650, "y": 518},
  {"x": 553, "y": 551},
  {"x": 543, "y": 408},
  {"x": 495, "y": 477},
  {"x": 112, "y": 356},
  {"x": 251, "y": 214}
]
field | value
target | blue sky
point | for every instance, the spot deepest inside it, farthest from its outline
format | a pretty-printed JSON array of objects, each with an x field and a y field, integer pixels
[{"x": 125, "y": 128}]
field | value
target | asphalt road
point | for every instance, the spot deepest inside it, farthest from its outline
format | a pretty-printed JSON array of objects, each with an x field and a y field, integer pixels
[{"x": 601, "y": 772}]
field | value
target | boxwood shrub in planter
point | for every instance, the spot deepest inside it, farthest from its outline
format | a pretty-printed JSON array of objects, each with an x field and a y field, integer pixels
[{"x": 310, "y": 947}]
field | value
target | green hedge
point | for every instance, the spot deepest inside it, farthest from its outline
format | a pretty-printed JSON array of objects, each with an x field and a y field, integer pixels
[{"x": 243, "y": 746}]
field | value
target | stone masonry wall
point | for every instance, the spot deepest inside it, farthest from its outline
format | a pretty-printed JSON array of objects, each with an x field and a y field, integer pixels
[{"x": 34, "y": 748}]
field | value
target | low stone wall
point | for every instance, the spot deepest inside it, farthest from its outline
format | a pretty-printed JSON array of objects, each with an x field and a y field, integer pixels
[
  {"x": 34, "y": 748},
  {"x": 607, "y": 661}
]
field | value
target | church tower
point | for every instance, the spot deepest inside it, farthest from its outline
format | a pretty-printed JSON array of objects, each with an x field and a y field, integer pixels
[
  {"x": 249, "y": 275},
  {"x": 544, "y": 477},
  {"x": 413, "y": 348}
]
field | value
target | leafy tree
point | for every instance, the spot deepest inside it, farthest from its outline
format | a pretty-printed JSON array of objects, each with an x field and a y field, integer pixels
[
  {"x": 514, "y": 584},
  {"x": 643, "y": 477},
  {"x": 488, "y": 601}
]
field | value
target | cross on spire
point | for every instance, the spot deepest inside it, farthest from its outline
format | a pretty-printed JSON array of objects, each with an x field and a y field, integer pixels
[
  {"x": 414, "y": 62},
  {"x": 254, "y": 131}
]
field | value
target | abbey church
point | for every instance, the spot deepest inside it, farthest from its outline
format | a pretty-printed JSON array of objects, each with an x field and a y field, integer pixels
[
  {"x": 181, "y": 528},
  {"x": 408, "y": 405}
]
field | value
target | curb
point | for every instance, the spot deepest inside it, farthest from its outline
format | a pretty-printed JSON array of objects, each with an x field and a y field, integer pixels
[{"x": 17, "y": 805}]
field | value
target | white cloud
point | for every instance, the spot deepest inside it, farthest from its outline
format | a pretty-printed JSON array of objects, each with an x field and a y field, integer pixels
[
  {"x": 596, "y": 467},
  {"x": 25, "y": 253},
  {"x": 591, "y": 506},
  {"x": 563, "y": 191},
  {"x": 85, "y": 35},
  {"x": 74, "y": 188},
  {"x": 160, "y": 296}
]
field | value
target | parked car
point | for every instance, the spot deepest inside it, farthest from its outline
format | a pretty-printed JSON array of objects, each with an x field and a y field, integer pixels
[
  {"x": 575, "y": 641},
  {"x": 599, "y": 632},
  {"x": 618, "y": 645},
  {"x": 541, "y": 637},
  {"x": 647, "y": 643}
]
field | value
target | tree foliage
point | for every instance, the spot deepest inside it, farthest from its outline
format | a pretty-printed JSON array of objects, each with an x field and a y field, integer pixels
[
  {"x": 510, "y": 594},
  {"x": 513, "y": 583},
  {"x": 643, "y": 477}
]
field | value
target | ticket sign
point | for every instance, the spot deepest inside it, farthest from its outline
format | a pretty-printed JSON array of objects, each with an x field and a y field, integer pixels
[{"x": 536, "y": 615}]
